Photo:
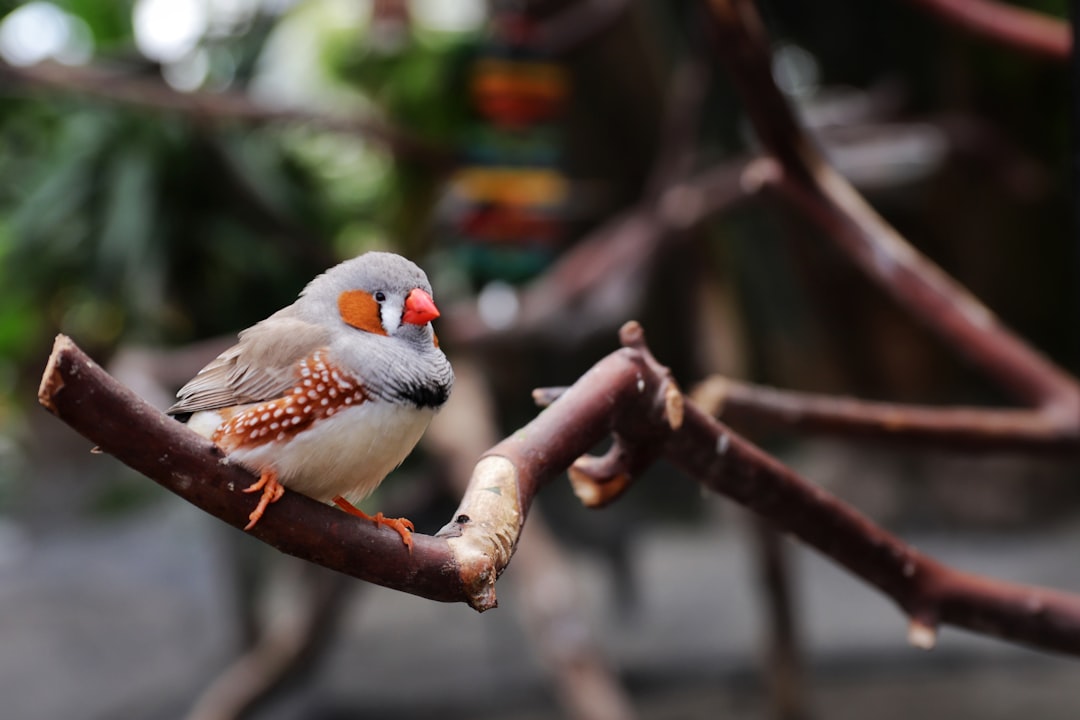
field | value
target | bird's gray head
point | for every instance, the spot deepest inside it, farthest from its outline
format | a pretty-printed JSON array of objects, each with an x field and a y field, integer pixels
[
  {"x": 381, "y": 304},
  {"x": 378, "y": 292}
]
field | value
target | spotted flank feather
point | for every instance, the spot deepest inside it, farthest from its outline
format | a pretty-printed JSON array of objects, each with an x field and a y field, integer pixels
[{"x": 320, "y": 391}]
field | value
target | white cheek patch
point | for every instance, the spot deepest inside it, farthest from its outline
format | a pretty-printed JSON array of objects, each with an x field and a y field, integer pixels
[{"x": 390, "y": 313}]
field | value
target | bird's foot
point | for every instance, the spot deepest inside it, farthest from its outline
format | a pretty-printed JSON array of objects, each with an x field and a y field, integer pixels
[
  {"x": 403, "y": 526},
  {"x": 272, "y": 491}
]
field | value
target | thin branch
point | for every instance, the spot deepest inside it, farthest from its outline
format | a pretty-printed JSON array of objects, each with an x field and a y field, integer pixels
[
  {"x": 625, "y": 393},
  {"x": 152, "y": 94},
  {"x": 602, "y": 276},
  {"x": 1022, "y": 29},
  {"x": 806, "y": 180},
  {"x": 745, "y": 404}
]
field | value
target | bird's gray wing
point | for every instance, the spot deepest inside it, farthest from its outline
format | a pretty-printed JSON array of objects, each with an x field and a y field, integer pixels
[{"x": 260, "y": 367}]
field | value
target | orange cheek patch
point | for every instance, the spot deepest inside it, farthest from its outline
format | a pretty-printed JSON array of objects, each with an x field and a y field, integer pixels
[{"x": 360, "y": 310}]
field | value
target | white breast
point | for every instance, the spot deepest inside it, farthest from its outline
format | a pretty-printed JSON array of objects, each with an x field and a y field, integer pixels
[{"x": 347, "y": 454}]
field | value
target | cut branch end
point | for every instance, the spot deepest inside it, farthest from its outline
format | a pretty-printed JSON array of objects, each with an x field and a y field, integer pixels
[
  {"x": 591, "y": 491},
  {"x": 922, "y": 635},
  {"x": 632, "y": 335},
  {"x": 51, "y": 381}
]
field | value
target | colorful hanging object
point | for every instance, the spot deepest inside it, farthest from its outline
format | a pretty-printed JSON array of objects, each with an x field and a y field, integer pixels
[{"x": 505, "y": 207}]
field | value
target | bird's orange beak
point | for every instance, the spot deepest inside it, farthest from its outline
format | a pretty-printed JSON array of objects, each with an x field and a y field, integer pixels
[{"x": 419, "y": 308}]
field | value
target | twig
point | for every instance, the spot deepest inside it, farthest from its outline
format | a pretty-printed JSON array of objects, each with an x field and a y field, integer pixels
[
  {"x": 624, "y": 393},
  {"x": 749, "y": 405},
  {"x": 745, "y": 404},
  {"x": 1022, "y": 29},
  {"x": 150, "y": 94}
]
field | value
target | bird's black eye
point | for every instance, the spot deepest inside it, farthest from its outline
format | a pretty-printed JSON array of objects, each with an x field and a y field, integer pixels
[{"x": 380, "y": 296}]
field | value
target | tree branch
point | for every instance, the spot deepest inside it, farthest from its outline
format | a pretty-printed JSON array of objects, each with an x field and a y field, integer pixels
[
  {"x": 83, "y": 395},
  {"x": 596, "y": 281},
  {"x": 461, "y": 563},
  {"x": 627, "y": 393},
  {"x": 1019, "y": 28},
  {"x": 745, "y": 404},
  {"x": 804, "y": 179},
  {"x": 152, "y": 94},
  {"x": 928, "y": 591}
]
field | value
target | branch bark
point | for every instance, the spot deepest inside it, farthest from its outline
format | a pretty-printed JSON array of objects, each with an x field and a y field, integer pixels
[
  {"x": 746, "y": 405},
  {"x": 627, "y": 393}
]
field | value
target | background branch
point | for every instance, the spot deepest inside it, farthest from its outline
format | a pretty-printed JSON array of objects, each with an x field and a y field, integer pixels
[
  {"x": 1019, "y": 28},
  {"x": 284, "y": 652},
  {"x": 152, "y": 94},
  {"x": 595, "y": 282},
  {"x": 805, "y": 180},
  {"x": 928, "y": 591},
  {"x": 747, "y": 405}
]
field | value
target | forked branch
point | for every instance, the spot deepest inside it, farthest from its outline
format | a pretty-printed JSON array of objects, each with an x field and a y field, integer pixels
[{"x": 628, "y": 393}]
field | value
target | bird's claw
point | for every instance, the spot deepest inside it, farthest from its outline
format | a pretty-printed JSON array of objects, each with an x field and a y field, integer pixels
[
  {"x": 403, "y": 526},
  {"x": 272, "y": 491}
]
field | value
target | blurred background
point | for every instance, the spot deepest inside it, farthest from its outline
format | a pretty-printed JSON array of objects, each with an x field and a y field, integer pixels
[{"x": 172, "y": 171}]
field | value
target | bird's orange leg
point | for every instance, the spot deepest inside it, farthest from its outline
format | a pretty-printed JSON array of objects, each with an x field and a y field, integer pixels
[
  {"x": 403, "y": 526},
  {"x": 272, "y": 491}
]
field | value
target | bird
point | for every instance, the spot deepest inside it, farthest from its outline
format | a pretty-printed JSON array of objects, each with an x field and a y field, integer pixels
[{"x": 329, "y": 394}]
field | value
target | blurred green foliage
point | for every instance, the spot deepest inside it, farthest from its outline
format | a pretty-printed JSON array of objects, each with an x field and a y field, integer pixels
[{"x": 120, "y": 223}]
